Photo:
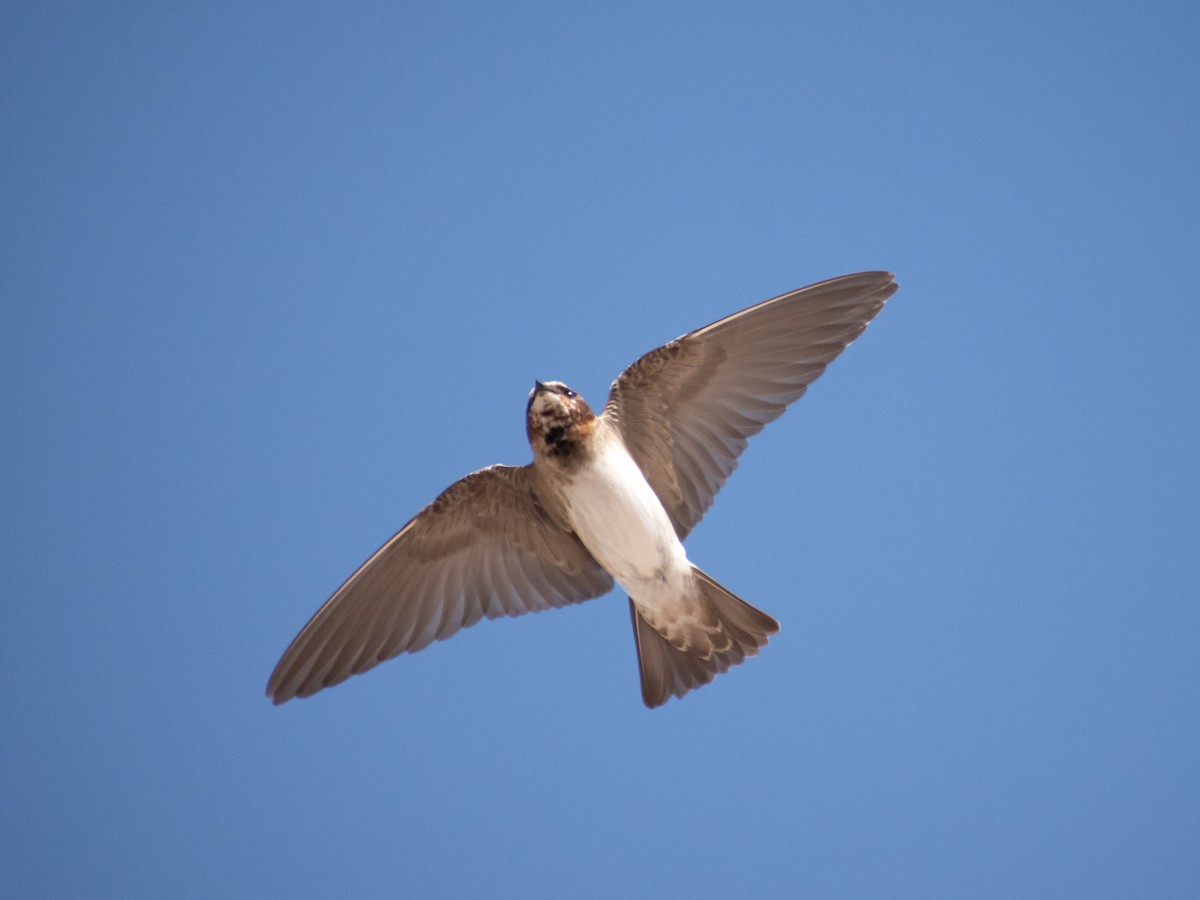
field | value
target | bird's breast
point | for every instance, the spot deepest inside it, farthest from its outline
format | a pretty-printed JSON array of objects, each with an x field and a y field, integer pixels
[{"x": 621, "y": 521}]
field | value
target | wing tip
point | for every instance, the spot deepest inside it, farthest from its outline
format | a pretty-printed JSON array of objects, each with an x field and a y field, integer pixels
[{"x": 278, "y": 691}]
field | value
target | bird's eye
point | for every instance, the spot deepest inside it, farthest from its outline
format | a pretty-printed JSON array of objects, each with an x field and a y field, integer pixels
[{"x": 568, "y": 393}]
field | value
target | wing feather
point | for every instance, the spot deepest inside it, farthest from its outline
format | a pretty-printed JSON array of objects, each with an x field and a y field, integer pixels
[
  {"x": 687, "y": 409},
  {"x": 484, "y": 548}
]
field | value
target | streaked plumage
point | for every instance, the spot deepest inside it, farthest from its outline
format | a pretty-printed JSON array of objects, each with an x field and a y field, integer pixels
[{"x": 606, "y": 497}]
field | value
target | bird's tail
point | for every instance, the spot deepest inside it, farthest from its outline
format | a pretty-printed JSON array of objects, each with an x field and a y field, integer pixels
[{"x": 668, "y": 671}]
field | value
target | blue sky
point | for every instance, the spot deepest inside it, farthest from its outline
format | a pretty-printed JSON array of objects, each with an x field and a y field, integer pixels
[{"x": 274, "y": 275}]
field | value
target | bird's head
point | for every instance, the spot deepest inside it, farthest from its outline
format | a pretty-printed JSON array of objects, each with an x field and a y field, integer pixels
[{"x": 557, "y": 420}]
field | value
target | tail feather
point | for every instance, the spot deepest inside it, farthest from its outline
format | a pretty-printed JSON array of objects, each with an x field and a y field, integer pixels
[{"x": 670, "y": 672}]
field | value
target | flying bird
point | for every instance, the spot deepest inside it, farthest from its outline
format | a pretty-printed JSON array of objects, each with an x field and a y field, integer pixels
[{"x": 608, "y": 498}]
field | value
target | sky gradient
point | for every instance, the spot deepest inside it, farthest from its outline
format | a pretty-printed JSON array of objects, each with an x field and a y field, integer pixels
[{"x": 275, "y": 275}]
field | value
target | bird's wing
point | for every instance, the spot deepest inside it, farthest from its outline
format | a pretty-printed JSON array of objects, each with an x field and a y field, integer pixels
[
  {"x": 485, "y": 547},
  {"x": 687, "y": 409}
]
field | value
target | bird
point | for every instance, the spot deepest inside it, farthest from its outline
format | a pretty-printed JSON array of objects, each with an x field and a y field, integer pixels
[{"x": 607, "y": 499}]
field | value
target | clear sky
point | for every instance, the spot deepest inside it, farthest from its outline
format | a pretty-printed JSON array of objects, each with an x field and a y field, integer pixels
[{"x": 273, "y": 275}]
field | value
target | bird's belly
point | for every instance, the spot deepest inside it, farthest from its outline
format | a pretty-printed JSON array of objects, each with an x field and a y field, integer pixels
[{"x": 623, "y": 524}]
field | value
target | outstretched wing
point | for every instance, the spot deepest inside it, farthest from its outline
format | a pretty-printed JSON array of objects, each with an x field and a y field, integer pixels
[
  {"x": 687, "y": 409},
  {"x": 485, "y": 547}
]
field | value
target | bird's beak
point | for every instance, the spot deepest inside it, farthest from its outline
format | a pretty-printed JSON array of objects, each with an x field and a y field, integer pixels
[{"x": 538, "y": 387}]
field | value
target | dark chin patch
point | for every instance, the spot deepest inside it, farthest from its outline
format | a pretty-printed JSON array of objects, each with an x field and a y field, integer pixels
[{"x": 557, "y": 442}]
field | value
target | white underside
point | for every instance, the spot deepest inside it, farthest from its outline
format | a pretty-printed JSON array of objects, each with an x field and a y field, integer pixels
[{"x": 621, "y": 521}]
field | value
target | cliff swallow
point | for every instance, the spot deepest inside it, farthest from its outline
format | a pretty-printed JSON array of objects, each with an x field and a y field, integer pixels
[{"x": 607, "y": 498}]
